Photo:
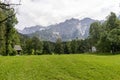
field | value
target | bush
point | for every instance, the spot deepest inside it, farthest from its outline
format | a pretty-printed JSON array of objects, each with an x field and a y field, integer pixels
[{"x": 13, "y": 53}]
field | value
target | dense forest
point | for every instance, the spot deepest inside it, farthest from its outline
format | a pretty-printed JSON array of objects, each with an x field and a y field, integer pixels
[{"x": 105, "y": 36}]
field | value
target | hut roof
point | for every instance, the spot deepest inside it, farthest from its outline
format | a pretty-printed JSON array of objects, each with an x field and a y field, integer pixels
[{"x": 17, "y": 47}]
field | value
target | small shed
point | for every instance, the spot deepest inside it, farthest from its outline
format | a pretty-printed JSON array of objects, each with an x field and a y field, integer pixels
[{"x": 18, "y": 48}]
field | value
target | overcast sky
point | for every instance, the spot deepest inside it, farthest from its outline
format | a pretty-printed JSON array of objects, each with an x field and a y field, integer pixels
[{"x": 47, "y": 12}]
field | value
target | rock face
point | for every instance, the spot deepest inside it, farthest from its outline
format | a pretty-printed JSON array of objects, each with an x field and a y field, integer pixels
[
  {"x": 33, "y": 29},
  {"x": 68, "y": 30}
]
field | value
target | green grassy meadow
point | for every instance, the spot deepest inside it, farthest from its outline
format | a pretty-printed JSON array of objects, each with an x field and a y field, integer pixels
[{"x": 60, "y": 67}]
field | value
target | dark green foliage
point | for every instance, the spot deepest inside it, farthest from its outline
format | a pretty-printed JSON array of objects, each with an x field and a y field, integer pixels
[
  {"x": 58, "y": 46},
  {"x": 36, "y": 45},
  {"x": 114, "y": 36},
  {"x": 106, "y": 36},
  {"x": 8, "y": 34},
  {"x": 29, "y": 46},
  {"x": 103, "y": 44},
  {"x": 23, "y": 41},
  {"x": 74, "y": 46},
  {"x": 82, "y": 46},
  {"x": 111, "y": 21},
  {"x": 95, "y": 32},
  {"x": 67, "y": 48},
  {"x": 46, "y": 48},
  {"x": 33, "y": 46}
]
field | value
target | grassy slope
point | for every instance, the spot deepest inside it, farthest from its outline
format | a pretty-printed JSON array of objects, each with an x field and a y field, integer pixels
[{"x": 60, "y": 67}]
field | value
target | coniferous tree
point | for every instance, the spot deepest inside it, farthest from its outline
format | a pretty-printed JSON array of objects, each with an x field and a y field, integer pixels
[
  {"x": 58, "y": 46},
  {"x": 47, "y": 48},
  {"x": 8, "y": 36},
  {"x": 67, "y": 48},
  {"x": 74, "y": 46}
]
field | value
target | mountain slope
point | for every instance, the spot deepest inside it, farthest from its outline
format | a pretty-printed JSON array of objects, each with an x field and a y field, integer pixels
[
  {"x": 68, "y": 30},
  {"x": 33, "y": 29}
]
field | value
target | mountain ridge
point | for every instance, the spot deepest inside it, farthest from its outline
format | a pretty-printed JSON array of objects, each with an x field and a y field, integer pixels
[{"x": 68, "y": 30}]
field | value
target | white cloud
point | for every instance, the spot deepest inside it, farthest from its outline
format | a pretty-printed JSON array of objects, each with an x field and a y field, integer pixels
[{"x": 46, "y": 12}]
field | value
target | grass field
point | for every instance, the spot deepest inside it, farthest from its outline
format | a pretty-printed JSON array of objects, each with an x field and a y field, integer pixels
[{"x": 60, "y": 67}]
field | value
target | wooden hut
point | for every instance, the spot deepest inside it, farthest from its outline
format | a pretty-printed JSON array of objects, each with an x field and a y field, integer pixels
[{"x": 18, "y": 48}]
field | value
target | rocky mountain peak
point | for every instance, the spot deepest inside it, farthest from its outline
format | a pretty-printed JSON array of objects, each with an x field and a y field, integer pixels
[{"x": 67, "y": 30}]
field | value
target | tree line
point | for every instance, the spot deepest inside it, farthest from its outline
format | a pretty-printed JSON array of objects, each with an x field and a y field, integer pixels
[{"x": 34, "y": 46}]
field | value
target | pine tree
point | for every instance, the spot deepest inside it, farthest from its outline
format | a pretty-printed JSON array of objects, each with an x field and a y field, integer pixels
[{"x": 58, "y": 46}]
